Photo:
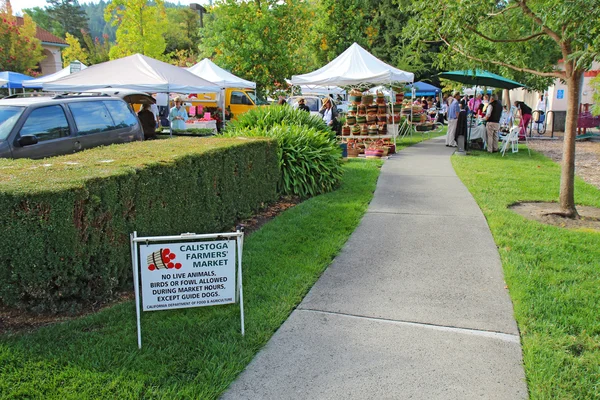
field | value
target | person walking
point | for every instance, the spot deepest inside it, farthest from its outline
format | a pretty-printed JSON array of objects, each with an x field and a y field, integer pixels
[
  {"x": 492, "y": 117},
  {"x": 453, "y": 112}
]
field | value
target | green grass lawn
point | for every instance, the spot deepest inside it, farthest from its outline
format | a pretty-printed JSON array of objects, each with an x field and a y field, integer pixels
[
  {"x": 553, "y": 274},
  {"x": 190, "y": 353}
]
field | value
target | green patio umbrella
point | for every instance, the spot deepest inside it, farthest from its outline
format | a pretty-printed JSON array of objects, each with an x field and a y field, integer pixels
[{"x": 480, "y": 77}]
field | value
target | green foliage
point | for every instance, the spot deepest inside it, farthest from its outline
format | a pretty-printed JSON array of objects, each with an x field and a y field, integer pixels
[
  {"x": 98, "y": 27},
  {"x": 42, "y": 19},
  {"x": 69, "y": 15},
  {"x": 341, "y": 23},
  {"x": 141, "y": 27},
  {"x": 74, "y": 52},
  {"x": 595, "y": 83},
  {"x": 65, "y": 221},
  {"x": 309, "y": 156},
  {"x": 183, "y": 30},
  {"x": 192, "y": 353},
  {"x": 262, "y": 41},
  {"x": 552, "y": 273},
  {"x": 266, "y": 117},
  {"x": 20, "y": 50},
  {"x": 491, "y": 35},
  {"x": 98, "y": 51}
]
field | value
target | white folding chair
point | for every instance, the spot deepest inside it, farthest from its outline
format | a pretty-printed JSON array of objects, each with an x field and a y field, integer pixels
[{"x": 511, "y": 139}]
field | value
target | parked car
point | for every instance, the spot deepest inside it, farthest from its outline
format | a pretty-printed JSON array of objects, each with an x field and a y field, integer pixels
[{"x": 39, "y": 127}]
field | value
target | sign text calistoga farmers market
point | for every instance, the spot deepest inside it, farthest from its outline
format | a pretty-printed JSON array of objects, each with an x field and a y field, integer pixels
[{"x": 187, "y": 274}]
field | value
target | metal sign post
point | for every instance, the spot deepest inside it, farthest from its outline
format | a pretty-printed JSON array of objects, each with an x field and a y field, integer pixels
[{"x": 185, "y": 271}]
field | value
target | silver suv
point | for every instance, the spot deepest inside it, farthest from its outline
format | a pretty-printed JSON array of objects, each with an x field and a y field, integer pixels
[{"x": 39, "y": 127}]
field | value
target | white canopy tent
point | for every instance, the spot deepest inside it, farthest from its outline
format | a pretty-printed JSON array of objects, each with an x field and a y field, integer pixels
[
  {"x": 206, "y": 69},
  {"x": 355, "y": 67},
  {"x": 324, "y": 90},
  {"x": 136, "y": 72},
  {"x": 3, "y": 81},
  {"x": 39, "y": 82}
]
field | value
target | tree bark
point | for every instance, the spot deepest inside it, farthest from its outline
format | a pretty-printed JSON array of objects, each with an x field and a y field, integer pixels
[
  {"x": 506, "y": 98},
  {"x": 567, "y": 179}
]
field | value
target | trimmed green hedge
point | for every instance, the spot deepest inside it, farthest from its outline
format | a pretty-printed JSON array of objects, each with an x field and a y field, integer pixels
[{"x": 65, "y": 221}]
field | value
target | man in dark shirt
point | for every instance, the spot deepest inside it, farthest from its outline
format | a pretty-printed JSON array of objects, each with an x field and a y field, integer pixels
[
  {"x": 302, "y": 106},
  {"x": 493, "y": 113},
  {"x": 148, "y": 121}
]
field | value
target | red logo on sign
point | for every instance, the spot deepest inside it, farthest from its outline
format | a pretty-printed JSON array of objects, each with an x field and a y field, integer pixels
[{"x": 162, "y": 259}]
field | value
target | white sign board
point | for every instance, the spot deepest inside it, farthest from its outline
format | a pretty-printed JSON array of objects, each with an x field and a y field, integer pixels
[
  {"x": 187, "y": 274},
  {"x": 188, "y": 270}
]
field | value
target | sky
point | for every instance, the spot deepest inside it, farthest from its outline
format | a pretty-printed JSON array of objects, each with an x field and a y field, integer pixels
[{"x": 18, "y": 5}]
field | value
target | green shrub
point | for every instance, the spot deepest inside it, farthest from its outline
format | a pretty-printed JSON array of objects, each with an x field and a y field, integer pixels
[
  {"x": 309, "y": 160},
  {"x": 267, "y": 117},
  {"x": 65, "y": 221},
  {"x": 309, "y": 156}
]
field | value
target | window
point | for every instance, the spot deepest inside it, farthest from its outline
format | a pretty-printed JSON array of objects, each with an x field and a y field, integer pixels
[
  {"x": 312, "y": 103},
  {"x": 91, "y": 117},
  {"x": 240, "y": 98},
  {"x": 121, "y": 114},
  {"x": 8, "y": 118},
  {"x": 46, "y": 123}
]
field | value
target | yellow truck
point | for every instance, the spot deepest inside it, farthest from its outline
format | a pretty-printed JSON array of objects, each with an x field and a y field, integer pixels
[{"x": 237, "y": 101}]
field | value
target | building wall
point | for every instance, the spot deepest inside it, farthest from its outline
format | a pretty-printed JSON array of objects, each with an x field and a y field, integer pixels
[
  {"x": 53, "y": 61},
  {"x": 556, "y": 97}
]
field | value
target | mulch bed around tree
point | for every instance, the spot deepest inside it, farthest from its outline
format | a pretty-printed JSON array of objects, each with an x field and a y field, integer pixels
[{"x": 587, "y": 167}]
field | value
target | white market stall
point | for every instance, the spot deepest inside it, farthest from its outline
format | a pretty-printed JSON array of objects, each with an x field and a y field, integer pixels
[
  {"x": 39, "y": 82},
  {"x": 210, "y": 71},
  {"x": 357, "y": 68},
  {"x": 136, "y": 72}
]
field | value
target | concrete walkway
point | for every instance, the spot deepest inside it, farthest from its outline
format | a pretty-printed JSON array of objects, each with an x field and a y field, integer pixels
[{"x": 414, "y": 307}]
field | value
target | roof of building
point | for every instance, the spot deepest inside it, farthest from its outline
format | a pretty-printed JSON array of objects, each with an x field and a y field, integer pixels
[{"x": 43, "y": 35}]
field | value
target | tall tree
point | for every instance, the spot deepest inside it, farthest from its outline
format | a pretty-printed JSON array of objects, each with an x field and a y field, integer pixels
[
  {"x": 97, "y": 24},
  {"x": 42, "y": 19},
  {"x": 526, "y": 36},
  {"x": 141, "y": 27},
  {"x": 263, "y": 41},
  {"x": 183, "y": 30},
  {"x": 341, "y": 23},
  {"x": 69, "y": 14},
  {"x": 21, "y": 51},
  {"x": 98, "y": 50}
]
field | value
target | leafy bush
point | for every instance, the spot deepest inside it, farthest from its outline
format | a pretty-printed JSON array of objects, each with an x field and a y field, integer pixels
[
  {"x": 267, "y": 117},
  {"x": 309, "y": 159},
  {"x": 65, "y": 221}
]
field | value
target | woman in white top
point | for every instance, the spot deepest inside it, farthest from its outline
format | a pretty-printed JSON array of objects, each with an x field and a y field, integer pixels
[{"x": 328, "y": 112}]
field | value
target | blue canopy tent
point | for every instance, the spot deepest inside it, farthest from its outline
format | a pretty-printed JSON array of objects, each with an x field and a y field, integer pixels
[
  {"x": 14, "y": 80},
  {"x": 422, "y": 89}
]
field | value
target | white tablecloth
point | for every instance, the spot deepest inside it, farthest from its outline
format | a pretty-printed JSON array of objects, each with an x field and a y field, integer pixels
[
  {"x": 202, "y": 125},
  {"x": 478, "y": 132}
]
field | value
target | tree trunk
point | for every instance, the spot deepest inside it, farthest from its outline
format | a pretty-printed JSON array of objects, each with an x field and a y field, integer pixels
[
  {"x": 506, "y": 98},
  {"x": 567, "y": 179}
]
